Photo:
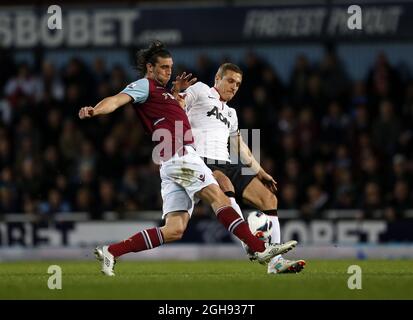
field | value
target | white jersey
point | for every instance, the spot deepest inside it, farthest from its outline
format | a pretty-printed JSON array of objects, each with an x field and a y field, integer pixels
[{"x": 212, "y": 121}]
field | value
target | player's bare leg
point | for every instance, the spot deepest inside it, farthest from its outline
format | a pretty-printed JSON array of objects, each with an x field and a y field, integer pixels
[
  {"x": 264, "y": 200},
  {"x": 228, "y": 188},
  {"x": 175, "y": 225},
  {"x": 173, "y": 230}
]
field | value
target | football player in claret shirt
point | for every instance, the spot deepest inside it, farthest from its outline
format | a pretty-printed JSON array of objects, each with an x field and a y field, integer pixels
[
  {"x": 185, "y": 177},
  {"x": 213, "y": 124}
]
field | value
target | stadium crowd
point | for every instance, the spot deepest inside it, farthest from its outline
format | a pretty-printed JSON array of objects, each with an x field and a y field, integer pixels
[{"x": 330, "y": 142}]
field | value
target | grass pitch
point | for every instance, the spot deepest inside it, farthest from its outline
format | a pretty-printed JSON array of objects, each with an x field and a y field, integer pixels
[{"x": 207, "y": 280}]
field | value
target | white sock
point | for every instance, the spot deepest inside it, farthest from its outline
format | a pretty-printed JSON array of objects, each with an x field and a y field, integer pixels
[
  {"x": 236, "y": 207},
  {"x": 276, "y": 233}
]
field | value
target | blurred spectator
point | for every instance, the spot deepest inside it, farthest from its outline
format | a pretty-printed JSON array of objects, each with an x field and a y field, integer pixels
[
  {"x": 6, "y": 112},
  {"x": 100, "y": 73},
  {"x": 345, "y": 191},
  {"x": 30, "y": 206},
  {"x": 84, "y": 202},
  {"x": 252, "y": 68},
  {"x": 359, "y": 94},
  {"x": 334, "y": 77},
  {"x": 400, "y": 201},
  {"x": 150, "y": 196},
  {"x": 249, "y": 118},
  {"x": 288, "y": 199},
  {"x": 51, "y": 86},
  {"x": 111, "y": 162},
  {"x": 370, "y": 170},
  {"x": 360, "y": 123},
  {"x": 383, "y": 82},
  {"x": 69, "y": 142},
  {"x": 205, "y": 69},
  {"x": 23, "y": 89},
  {"x": 399, "y": 171},
  {"x": 130, "y": 184},
  {"x": 315, "y": 97},
  {"x": 52, "y": 127},
  {"x": 372, "y": 203},
  {"x": 6, "y": 156},
  {"x": 335, "y": 125},
  {"x": 118, "y": 79},
  {"x": 8, "y": 66},
  {"x": 307, "y": 133},
  {"x": 8, "y": 201},
  {"x": 299, "y": 79},
  {"x": 78, "y": 82},
  {"x": 320, "y": 176},
  {"x": 287, "y": 121},
  {"x": 292, "y": 174},
  {"x": 54, "y": 204},
  {"x": 29, "y": 178},
  {"x": 108, "y": 201},
  {"x": 386, "y": 128},
  {"x": 342, "y": 157},
  {"x": 315, "y": 204},
  {"x": 272, "y": 85}
]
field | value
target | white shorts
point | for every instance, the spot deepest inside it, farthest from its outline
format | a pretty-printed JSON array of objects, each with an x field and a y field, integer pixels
[{"x": 182, "y": 177}]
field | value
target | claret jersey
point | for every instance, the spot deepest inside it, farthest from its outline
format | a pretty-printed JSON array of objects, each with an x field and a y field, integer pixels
[{"x": 158, "y": 109}]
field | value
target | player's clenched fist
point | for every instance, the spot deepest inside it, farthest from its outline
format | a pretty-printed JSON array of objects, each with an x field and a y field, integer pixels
[{"x": 86, "y": 112}]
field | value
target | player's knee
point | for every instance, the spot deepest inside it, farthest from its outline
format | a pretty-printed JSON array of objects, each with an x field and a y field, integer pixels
[
  {"x": 214, "y": 196},
  {"x": 222, "y": 199},
  {"x": 223, "y": 181}
]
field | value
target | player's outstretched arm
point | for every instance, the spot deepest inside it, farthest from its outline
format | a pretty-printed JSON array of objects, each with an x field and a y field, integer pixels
[
  {"x": 105, "y": 106},
  {"x": 248, "y": 158}
]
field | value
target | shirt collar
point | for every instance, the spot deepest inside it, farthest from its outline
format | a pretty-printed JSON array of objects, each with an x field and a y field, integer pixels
[{"x": 215, "y": 93}]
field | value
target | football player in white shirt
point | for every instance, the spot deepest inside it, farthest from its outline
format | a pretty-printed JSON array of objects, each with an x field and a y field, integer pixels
[{"x": 213, "y": 123}]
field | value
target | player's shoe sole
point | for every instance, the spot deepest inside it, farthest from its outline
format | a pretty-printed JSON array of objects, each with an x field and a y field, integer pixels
[{"x": 287, "y": 266}]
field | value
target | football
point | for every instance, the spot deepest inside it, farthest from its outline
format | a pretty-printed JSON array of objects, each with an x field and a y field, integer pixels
[{"x": 260, "y": 225}]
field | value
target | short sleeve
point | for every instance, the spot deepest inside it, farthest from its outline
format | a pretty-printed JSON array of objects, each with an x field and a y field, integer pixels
[
  {"x": 138, "y": 90},
  {"x": 233, "y": 130},
  {"x": 192, "y": 94}
]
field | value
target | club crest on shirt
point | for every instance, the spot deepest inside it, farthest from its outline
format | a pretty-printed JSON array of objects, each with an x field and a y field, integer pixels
[{"x": 168, "y": 95}]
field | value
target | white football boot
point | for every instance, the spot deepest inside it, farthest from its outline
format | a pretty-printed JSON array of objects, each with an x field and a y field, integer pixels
[
  {"x": 272, "y": 250},
  {"x": 281, "y": 265},
  {"x": 107, "y": 259}
]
